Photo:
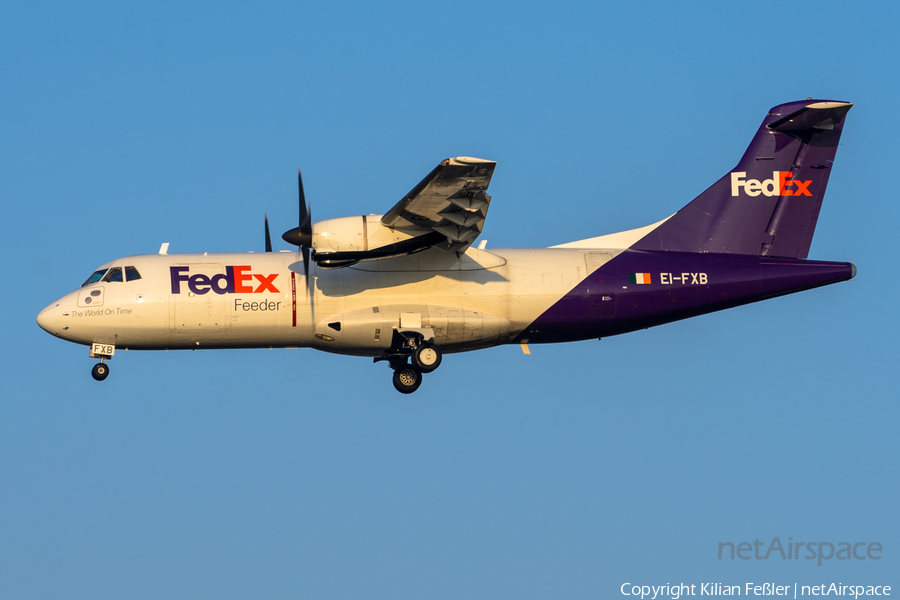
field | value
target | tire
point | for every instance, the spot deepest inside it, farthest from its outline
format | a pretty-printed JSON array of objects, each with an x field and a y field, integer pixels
[
  {"x": 100, "y": 371},
  {"x": 427, "y": 358},
  {"x": 407, "y": 379}
]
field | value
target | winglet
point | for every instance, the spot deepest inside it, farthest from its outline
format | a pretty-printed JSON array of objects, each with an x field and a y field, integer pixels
[{"x": 164, "y": 248}]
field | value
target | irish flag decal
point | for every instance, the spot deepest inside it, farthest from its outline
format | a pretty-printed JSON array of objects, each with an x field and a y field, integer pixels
[{"x": 639, "y": 278}]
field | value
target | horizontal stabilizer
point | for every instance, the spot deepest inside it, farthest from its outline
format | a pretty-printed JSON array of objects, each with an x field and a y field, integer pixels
[{"x": 819, "y": 115}]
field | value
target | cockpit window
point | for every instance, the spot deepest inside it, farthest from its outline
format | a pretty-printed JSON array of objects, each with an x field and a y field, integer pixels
[
  {"x": 94, "y": 278},
  {"x": 131, "y": 274},
  {"x": 114, "y": 274}
]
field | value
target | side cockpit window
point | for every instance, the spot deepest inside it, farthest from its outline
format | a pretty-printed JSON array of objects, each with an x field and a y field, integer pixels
[
  {"x": 94, "y": 278},
  {"x": 131, "y": 274},
  {"x": 113, "y": 275}
]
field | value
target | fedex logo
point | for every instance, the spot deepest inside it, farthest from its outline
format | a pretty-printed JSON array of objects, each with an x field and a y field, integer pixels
[
  {"x": 781, "y": 184},
  {"x": 235, "y": 280}
]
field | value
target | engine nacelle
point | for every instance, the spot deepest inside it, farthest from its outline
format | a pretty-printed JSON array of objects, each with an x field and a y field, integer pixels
[
  {"x": 347, "y": 234},
  {"x": 356, "y": 234}
]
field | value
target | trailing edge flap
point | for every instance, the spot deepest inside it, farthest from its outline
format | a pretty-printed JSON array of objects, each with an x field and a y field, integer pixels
[
  {"x": 451, "y": 201},
  {"x": 818, "y": 115}
]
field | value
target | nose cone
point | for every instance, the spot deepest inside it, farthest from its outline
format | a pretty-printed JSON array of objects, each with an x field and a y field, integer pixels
[{"x": 49, "y": 319}]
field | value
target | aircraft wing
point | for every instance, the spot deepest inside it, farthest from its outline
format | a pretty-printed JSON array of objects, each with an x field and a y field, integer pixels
[{"x": 451, "y": 201}]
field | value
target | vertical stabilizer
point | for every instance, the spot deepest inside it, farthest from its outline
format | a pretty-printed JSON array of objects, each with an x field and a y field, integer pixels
[{"x": 768, "y": 205}]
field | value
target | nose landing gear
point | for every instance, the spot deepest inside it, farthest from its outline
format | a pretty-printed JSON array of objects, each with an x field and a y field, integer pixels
[{"x": 104, "y": 352}]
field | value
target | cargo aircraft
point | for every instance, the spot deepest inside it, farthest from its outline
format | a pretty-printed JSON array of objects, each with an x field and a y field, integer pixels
[{"x": 408, "y": 286}]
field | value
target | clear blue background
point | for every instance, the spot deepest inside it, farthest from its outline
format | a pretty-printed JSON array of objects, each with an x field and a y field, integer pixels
[{"x": 295, "y": 474}]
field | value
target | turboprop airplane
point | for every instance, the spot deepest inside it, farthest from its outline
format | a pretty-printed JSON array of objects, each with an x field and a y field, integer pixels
[{"x": 408, "y": 287}]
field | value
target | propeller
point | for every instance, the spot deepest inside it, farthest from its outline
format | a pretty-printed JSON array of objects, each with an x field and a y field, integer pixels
[
  {"x": 268, "y": 237},
  {"x": 301, "y": 235}
]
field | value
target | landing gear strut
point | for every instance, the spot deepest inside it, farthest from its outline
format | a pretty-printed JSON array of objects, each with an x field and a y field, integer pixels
[{"x": 100, "y": 371}]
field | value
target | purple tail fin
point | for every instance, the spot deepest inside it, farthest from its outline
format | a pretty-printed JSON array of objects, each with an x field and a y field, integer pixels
[{"x": 769, "y": 203}]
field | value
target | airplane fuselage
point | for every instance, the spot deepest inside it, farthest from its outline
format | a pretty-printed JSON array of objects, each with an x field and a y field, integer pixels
[{"x": 483, "y": 299}]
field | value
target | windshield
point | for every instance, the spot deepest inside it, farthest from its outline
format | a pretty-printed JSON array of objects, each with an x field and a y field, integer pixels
[
  {"x": 114, "y": 274},
  {"x": 94, "y": 278}
]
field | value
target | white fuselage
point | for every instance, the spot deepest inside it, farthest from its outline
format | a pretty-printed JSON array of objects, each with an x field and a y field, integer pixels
[{"x": 247, "y": 300}]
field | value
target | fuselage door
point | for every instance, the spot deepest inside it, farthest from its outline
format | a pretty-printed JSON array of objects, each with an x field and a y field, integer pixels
[
  {"x": 190, "y": 311},
  {"x": 595, "y": 259},
  {"x": 598, "y": 295}
]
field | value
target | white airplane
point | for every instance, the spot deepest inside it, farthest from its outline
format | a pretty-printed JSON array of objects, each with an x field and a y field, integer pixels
[{"x": 407, "y": 287}]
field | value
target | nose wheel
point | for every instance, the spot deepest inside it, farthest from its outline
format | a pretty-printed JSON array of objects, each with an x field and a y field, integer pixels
[
  {"x": 104, "y": 352},
  {"x": 100, "y": 371}
]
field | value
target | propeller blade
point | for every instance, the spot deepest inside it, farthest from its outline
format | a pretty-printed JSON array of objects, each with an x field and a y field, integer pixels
[
  {"x": 268, "y": 237},
  {"x": 302, "y": 234},
  {"x": 305, "y": 222}
]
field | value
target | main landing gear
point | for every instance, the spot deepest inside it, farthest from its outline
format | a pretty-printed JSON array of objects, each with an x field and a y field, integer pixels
[{"x": 410, "y": 361}]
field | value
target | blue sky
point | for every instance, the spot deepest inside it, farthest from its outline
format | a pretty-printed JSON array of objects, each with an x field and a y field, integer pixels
[{"x": 295, "y": 474}]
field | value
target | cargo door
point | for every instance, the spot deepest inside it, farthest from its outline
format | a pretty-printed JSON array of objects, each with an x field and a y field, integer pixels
[
  {"x": 598, "y": 295},
  {"x": 190, "y": 311}
]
